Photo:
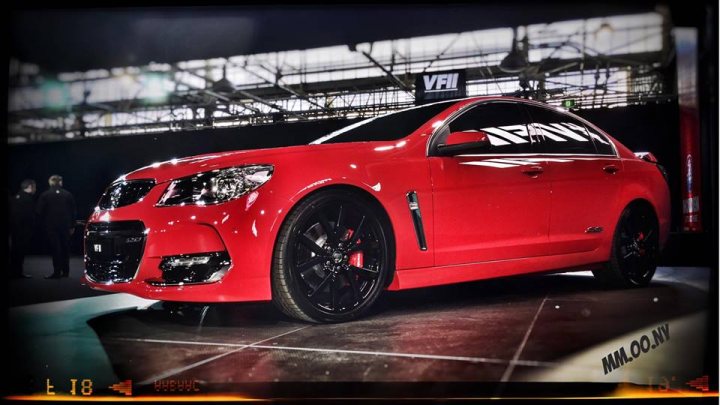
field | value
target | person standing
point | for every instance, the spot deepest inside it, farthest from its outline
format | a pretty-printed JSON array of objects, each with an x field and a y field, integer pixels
[
  {"x": 22, "y": 224},
  {"x": 56, "y": 208}
]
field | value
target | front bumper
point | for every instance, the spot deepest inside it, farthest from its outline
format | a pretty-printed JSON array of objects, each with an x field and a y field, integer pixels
[{"x": 126, "y": 249}]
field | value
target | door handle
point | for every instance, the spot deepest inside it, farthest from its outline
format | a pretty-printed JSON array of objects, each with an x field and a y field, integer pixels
[
  {"x": 611, "y": 169},
  {"x": 533, "y": 171}
]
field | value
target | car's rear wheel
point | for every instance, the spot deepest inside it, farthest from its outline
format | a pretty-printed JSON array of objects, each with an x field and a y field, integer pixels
[
  {"x": 331, "y": 259},
  {"x": 635, "y": 249}
]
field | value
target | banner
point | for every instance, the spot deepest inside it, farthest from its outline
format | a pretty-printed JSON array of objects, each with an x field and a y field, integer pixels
[
  {"x": 438, "y": 86},
  {"x": 686, "y": 51}
]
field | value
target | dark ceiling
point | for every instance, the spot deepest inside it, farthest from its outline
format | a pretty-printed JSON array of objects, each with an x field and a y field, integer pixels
[{"x": 82, "y": 39}]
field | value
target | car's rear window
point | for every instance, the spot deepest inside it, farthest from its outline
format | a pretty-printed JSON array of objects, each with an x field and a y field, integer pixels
[{"x": 388, "y": 127}]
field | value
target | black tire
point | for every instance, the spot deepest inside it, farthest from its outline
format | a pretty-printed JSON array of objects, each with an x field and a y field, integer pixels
[
  {"x": 314, "y": 277},
  {"x": 635, "y": 249}
]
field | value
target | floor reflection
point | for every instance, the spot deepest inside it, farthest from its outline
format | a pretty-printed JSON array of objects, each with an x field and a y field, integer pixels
[{"x": 466, "y": 332}]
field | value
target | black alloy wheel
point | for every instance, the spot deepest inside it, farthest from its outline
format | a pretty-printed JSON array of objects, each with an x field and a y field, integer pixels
[
  {"x": 332, "y": 258},
  {"x": 635, "y": 249}
]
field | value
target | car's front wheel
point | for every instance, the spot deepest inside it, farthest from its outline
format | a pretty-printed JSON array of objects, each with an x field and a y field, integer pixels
[
  {"x": 635, "y": 249},
  {"x": 331, "y": 259}
]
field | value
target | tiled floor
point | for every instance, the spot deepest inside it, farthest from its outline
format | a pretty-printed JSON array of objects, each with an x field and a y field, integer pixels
[{"x": 496, "y": 330}]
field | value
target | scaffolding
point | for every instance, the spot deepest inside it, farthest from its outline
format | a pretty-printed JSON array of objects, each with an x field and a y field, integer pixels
[{"x": 592, "y": 63}]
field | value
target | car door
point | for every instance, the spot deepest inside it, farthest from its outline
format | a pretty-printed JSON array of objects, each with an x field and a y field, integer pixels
[
  {"x": 492, "y": 204},
  {"x": 585, "y": 174}
]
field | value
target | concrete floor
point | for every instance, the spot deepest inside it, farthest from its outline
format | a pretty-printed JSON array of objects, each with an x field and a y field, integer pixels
[
  {"x": 549, "y": 328},
  {"x": 37, "y": 289}
]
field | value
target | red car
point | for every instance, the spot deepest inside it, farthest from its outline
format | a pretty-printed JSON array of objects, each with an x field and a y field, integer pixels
[{"x": 442, "y": 193}]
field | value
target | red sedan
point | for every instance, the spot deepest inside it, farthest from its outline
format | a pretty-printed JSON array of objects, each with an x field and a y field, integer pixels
[{"x": 443, "y": 193}]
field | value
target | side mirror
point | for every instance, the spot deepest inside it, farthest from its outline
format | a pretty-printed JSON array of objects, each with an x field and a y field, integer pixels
[{"x": 463, "y": 142}]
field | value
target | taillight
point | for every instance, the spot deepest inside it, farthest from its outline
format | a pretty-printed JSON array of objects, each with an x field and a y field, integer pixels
[
  {"x": 650, "y": 158},
  {"x": 646, "y": 156}
]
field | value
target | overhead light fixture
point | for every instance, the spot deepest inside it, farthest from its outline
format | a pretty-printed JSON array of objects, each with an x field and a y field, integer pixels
[
  {"x": 56, "y": 94},
  {"x": 154, "y": 87},
  {"x": 223, "y": 85},
  {"x": 517, "y": 59},
  {"x": 604, "y": 27}
]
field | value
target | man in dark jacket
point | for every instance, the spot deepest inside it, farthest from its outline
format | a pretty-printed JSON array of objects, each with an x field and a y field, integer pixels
[
  {"x": 56, "y": 208},
  {"x": 22, "y": 224}
]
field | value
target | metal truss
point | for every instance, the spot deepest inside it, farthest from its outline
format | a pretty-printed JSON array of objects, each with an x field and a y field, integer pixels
[{"x": 348, "y": 82}]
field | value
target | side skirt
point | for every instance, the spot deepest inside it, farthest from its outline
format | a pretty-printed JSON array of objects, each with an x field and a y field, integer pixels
[{"x": 432, "y": 276}]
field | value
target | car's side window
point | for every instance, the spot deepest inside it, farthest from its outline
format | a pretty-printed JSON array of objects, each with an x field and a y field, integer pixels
[
  {"x": 504, "y": 124},
  {"x": 561, "y": 133},
  {"x": 602, "y": 144}
]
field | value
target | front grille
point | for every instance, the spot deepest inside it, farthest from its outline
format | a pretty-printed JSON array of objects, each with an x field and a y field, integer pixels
[
  {"x": 125, "y": 193},
  {"x": 113, "y": 250}
]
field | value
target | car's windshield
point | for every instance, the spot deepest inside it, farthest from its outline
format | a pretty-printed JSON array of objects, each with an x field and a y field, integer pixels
[{"x": 388, "y": 127}]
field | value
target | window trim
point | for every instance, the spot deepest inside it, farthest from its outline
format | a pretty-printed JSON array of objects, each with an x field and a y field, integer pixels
[{"x": 429, "y": 148}]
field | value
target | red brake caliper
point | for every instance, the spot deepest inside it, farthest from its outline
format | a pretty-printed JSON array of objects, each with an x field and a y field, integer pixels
[
  {"x": 640, "y": 238},
  {"x": 356, "y": 258}
]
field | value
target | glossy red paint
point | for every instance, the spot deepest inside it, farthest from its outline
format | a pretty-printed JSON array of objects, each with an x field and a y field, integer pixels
[
  {"x": 471, "y": 206},
  {"x": 481, "y": 221}
]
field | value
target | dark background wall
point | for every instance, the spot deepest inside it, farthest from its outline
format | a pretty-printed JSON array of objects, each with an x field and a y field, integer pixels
[
  {"x": 89, "y": 165},
  {"x": 649, "y": 128}
]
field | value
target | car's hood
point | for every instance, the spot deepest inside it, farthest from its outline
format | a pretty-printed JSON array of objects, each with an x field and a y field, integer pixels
[{"x": 176, "y": 168}]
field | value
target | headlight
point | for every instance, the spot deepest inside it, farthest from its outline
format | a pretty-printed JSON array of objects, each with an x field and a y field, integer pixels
[{"x": 217, "y": 186}]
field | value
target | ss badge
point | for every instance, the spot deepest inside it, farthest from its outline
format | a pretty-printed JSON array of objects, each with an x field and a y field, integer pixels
[{"x": 97, "y": 248}]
